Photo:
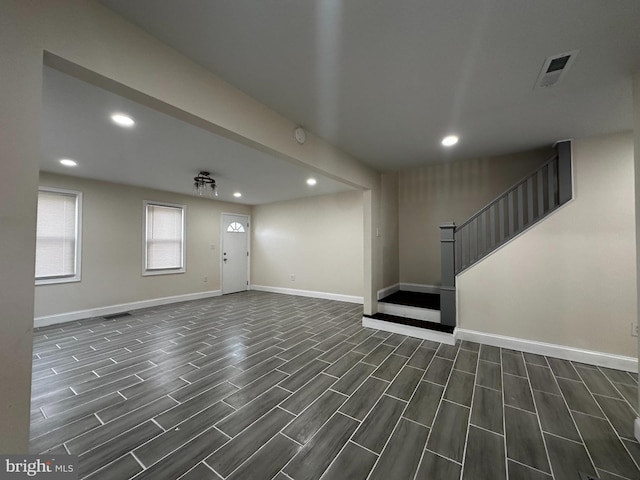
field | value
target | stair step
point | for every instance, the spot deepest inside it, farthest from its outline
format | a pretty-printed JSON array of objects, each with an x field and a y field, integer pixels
[
  {"x": 430, "y": 301},
  {"x": 414, "y": 322},
  {"x": 418, "y": 305},
  {"x": 410, "y": 326},
  {"x": 407, "y": 311}
]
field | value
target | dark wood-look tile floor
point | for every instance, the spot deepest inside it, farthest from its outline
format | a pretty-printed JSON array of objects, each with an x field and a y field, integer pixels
[{"x": 266, "y": 386}]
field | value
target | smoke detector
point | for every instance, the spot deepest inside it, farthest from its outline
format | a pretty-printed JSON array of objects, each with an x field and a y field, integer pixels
[{"x": 554, "y": 69}]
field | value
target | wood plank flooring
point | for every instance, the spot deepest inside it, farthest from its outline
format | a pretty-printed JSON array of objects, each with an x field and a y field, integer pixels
[{"x": 259, "y": 386}]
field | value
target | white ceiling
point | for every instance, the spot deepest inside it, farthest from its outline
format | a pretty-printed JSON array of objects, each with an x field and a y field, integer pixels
[
  {"x": 385, "y": 80},
  {"x": 160, "y": 151}
]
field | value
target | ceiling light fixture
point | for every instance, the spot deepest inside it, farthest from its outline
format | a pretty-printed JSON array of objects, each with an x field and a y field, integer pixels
[
  {"x": 123, "y": 120},
  {"x": 67, "y": 162},
  {"x": 204, "y": 185},
  {"x": 450, "y": 140},
  {"x": 237, "y": 194},
  {"x": 311, "y": 181}
]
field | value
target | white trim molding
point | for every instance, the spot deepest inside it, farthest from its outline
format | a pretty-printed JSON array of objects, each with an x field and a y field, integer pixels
[
  {"x": 310, "y": 293},
  {"x": 407, "y": 311},
  {"x": 636, "y": 428},
  {"x": 123, "y": 307},
  {"x": 417, "y": 287},
  {"x": 609, "y": 360},
  {"x": 416, "y": 332},
  {"x": 386, "y": 291}
]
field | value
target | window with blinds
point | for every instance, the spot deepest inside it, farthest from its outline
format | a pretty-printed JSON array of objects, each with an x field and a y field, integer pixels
[
  {"x": 164, "y": 238},
  {"x": 58, "y": 236}
]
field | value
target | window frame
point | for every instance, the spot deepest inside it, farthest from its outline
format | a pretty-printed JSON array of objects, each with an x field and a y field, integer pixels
[
  {"x": 183, "y": 257},
  {"x": 77, "y": 276},
  {"x": 234, "y": 230}
]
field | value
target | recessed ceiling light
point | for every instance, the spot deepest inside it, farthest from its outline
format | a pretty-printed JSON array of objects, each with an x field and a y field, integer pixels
[
  {"x": 237, "y": 194},
  {"x": 123, "y": 120},
  {"x": 67, "y": 162},
  {"x": 450, "y": 140},
  {"x": 311, "y": 181}
]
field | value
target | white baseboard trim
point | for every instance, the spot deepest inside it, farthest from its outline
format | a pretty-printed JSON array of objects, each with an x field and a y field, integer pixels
[
  {"x": 408, "y": 330},
  {"x": 410, "y": 312},
  {"x": 618, "y": 362},
  {"x": 417, "y": 287},
  {"x": 123, "y": 307},
  {"x": 310, "y": 293},
  {"x": 386, "y": 291},
  {"x": 636, "y": 428}
]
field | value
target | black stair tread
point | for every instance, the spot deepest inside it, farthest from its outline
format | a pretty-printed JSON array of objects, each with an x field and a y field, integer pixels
[
  {"x": 412, "y": 322},
  {"x": 414, "y": 299}
]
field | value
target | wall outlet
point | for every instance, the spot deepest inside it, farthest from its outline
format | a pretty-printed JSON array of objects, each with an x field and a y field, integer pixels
[
  {"x": 206, "y": 279},
  {"x": 634, "y": 329},
  {"x": 293, "y": 277}
]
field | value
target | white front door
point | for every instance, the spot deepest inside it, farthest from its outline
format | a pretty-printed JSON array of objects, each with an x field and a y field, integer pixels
[{"x": 235, "y": 253}]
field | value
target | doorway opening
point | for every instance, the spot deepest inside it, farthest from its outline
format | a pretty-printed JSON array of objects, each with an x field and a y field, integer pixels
[{"x": 235, "y": 253}]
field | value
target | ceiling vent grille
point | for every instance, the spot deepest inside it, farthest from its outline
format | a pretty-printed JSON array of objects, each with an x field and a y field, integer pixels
[{"x": 554, "y": 69}]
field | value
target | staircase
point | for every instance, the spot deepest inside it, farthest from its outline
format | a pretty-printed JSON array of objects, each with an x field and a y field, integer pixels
[{"x": 433, "y": 316}]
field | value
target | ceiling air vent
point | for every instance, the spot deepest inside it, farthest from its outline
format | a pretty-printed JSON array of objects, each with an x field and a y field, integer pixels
[{"x": 554, "y": 69}]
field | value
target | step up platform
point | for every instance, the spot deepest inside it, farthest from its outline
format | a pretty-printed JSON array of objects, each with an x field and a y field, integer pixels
[
  {"x": 435, "y": 332},
  {"x": 415, "y": 314},
  {"x": 418, "y": 305}
]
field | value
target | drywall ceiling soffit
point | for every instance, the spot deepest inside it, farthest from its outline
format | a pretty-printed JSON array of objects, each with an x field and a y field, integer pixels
[
  {"x": 160, "y": 151},
  {"x": 386, "y": 80}
]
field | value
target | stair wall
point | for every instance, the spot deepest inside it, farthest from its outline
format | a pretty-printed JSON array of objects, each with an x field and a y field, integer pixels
[{"x": 570, "y": 279}]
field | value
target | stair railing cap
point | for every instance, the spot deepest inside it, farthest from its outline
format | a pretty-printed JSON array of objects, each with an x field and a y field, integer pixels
[{"x": 555, "y": 144}]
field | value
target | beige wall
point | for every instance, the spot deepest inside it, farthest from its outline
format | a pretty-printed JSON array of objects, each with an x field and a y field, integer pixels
[
  {"x": 570, "y": 280},
  {"x": 20, "y": 88},
  {"x": 88, "y": 35},
  {"x": 436, "y": 194},
  {"x": 317, "y": 239},
  {"x": 112, "y": 230},
  {"x": 372, "y": 205},
  {"x": 389, "y": 230}
]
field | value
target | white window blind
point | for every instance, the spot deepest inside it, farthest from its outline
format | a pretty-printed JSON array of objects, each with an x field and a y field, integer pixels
[
  {"x": 57, "y": 239},
  {"x": 164, "y": 237}
]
